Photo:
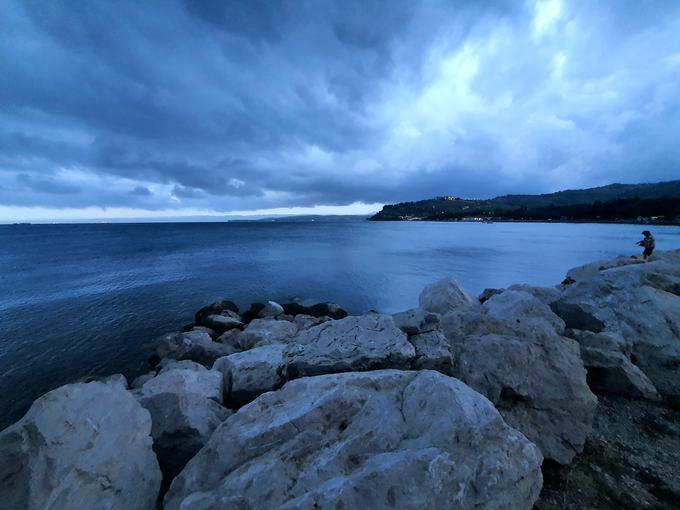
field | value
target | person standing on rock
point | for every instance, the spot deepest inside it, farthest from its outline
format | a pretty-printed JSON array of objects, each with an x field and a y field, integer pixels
[{"x": 649, "y": 243}]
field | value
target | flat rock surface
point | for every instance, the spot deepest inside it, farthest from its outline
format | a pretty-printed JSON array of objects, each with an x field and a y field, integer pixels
[
  {"x": 382, "y": 439},
  {"x": 366, "y": 342}
]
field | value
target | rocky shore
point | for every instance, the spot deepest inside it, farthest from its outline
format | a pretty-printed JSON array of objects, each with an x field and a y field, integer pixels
[{"x": 546, "y": 397}]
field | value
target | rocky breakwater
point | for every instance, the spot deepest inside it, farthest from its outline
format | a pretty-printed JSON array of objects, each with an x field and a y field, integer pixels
[{"x": 460, "y": 402}]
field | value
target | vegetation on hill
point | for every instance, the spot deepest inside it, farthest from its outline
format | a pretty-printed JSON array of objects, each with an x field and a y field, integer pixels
[{"x": 654, "y": 203}]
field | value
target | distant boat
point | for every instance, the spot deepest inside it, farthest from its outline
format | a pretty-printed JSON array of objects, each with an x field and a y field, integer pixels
[{"x": 21, "y": 223}]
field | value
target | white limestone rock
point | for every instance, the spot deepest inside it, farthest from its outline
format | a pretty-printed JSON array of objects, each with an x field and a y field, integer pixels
[
  {"x": 444, "y": 295},
  {"x": 366, "y": 342},
  {"x": 84, "y": 445},
  {"x": 379, "y": 440},
  {"x": 250, "y": 373},
  {"x": 185, "y": 407}
]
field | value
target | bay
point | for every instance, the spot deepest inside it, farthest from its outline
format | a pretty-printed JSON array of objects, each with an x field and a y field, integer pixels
[{"x": 87, "y": 299}]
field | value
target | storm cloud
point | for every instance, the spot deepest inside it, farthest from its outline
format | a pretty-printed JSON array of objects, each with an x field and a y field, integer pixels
[{"x": 200, "y": 105}]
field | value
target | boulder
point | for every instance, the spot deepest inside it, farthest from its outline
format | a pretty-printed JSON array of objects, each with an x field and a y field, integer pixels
[
  {"x": 432, "y": 352},
  {"x": 539, "y": 386},
  {"x": 584, "y": 272},
  {"x": 612, "y": 372},
  {"x": 192, "y": 345},
  {"x": 575, "y": 317},
  {"x": 213, "y": 334},
  {"x": 544, "y": 294},
  {"x": 231, "y": 338},
  {"x": 215, "y": 309},
  {"x": 139, "y": 381},
  {"x": 303, "y": 321},
  {"x": 488, "y": 293},
  {"x": 207, "y": 383},
  {"x": 444, "y": 295},
  {"x": 366, "y": 342},
  {"x": 607, "y": 341},
  {"x": 327, "y": 309},
  {"x": 626, "y": 301},
  {"x": 250, "y": 373},
  {"x": 416, "y": 321},
  {"x": 521, "y": 311},
  {"x": 84, "y": 445},
  {"x": 106, "y": 379},
  {"x": 221, "y": 323},
  {"x": 379, "y": 440},
  {"x": 271, "y": 310},
  {"x": 265, "y": 332},
  {"x": 185, "y": 410},
  {"x": 253, "y": 312},
  {"x": 170, "y": 364},
  {"x": 592, "y": 269},
  {"x": 511, "y": 350}
]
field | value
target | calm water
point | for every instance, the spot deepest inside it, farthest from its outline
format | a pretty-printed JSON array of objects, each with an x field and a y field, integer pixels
[{"x": 86, "y": 299}]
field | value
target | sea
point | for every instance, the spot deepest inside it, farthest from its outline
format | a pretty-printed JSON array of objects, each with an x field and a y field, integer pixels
[{"x": 79, "y": 300}]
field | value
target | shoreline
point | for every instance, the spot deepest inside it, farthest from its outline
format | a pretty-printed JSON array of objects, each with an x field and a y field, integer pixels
[
  {"x": 498, "y": 220},
  {"x": 231, "y": 368}
]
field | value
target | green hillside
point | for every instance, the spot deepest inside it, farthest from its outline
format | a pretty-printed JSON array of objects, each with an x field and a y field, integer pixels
[{"x": 657, "y": 202}]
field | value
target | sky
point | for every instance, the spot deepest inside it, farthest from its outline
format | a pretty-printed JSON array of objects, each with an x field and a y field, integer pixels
[{"x": 171, "y": 108}]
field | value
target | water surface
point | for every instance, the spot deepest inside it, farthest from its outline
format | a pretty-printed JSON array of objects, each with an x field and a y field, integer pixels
[{"x": 86, "y": 299}]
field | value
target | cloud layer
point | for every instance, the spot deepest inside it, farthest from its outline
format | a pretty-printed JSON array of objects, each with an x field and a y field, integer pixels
[{"x": 219, "y": 106}]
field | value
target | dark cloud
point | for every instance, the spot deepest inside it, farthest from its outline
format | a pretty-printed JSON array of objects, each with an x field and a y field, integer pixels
[
  {"x": 232, "y": 105},
  {"x": 46, "y": 185},
  {"x": 140, "y": 191}
]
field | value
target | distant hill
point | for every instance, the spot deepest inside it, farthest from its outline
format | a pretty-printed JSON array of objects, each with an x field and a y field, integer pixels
[{"x": 657, "y": 203}]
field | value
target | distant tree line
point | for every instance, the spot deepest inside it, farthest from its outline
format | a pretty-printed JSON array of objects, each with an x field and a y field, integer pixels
[{"x": 667, "y": 209}]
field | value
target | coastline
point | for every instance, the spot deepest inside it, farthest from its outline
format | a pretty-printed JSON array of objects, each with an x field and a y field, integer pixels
[
  {"x": 503, "y": 220},
  {"x": 610, "y": 335}
]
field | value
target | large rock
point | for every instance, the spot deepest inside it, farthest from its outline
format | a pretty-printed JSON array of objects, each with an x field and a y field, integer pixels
[
  {"x": 271, "y": 309},
  {"x": 575, "y": 317},
  {"x": 612, "y": 372},
  {"x": 216, "y": 308},
  {"x": 444, "y": 295},
  {"x": 249, "y": 374},
  {"x": 511, "y": 350},
  {"x": 488, "y": 293},
  {"x": 626, "y": 300},
  {"x": 303, "y": 321},
  {"x": 538, "y": 386},
  {"x": 182, "y": 379},
  {"x": 265, "y": 332},
  {"x": 379, "y": 440},
  {"x": 221, "y": 323},
  {"x": 544, "y": 294},
  {"x": 185, "y": 409},
  {"x": 416, "y": 321},
  {"x": 192, "y": 345},
  {"x": 80, "y": 446},
  {"x": 606, "y": 341},
  {"x": 327, "y": 309},
  {"x": 366, "y": 342},
  {"x": 433, "y": 352},
  {"x": 522, "y": 311},
  {"x": 592, "y": 269}
]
